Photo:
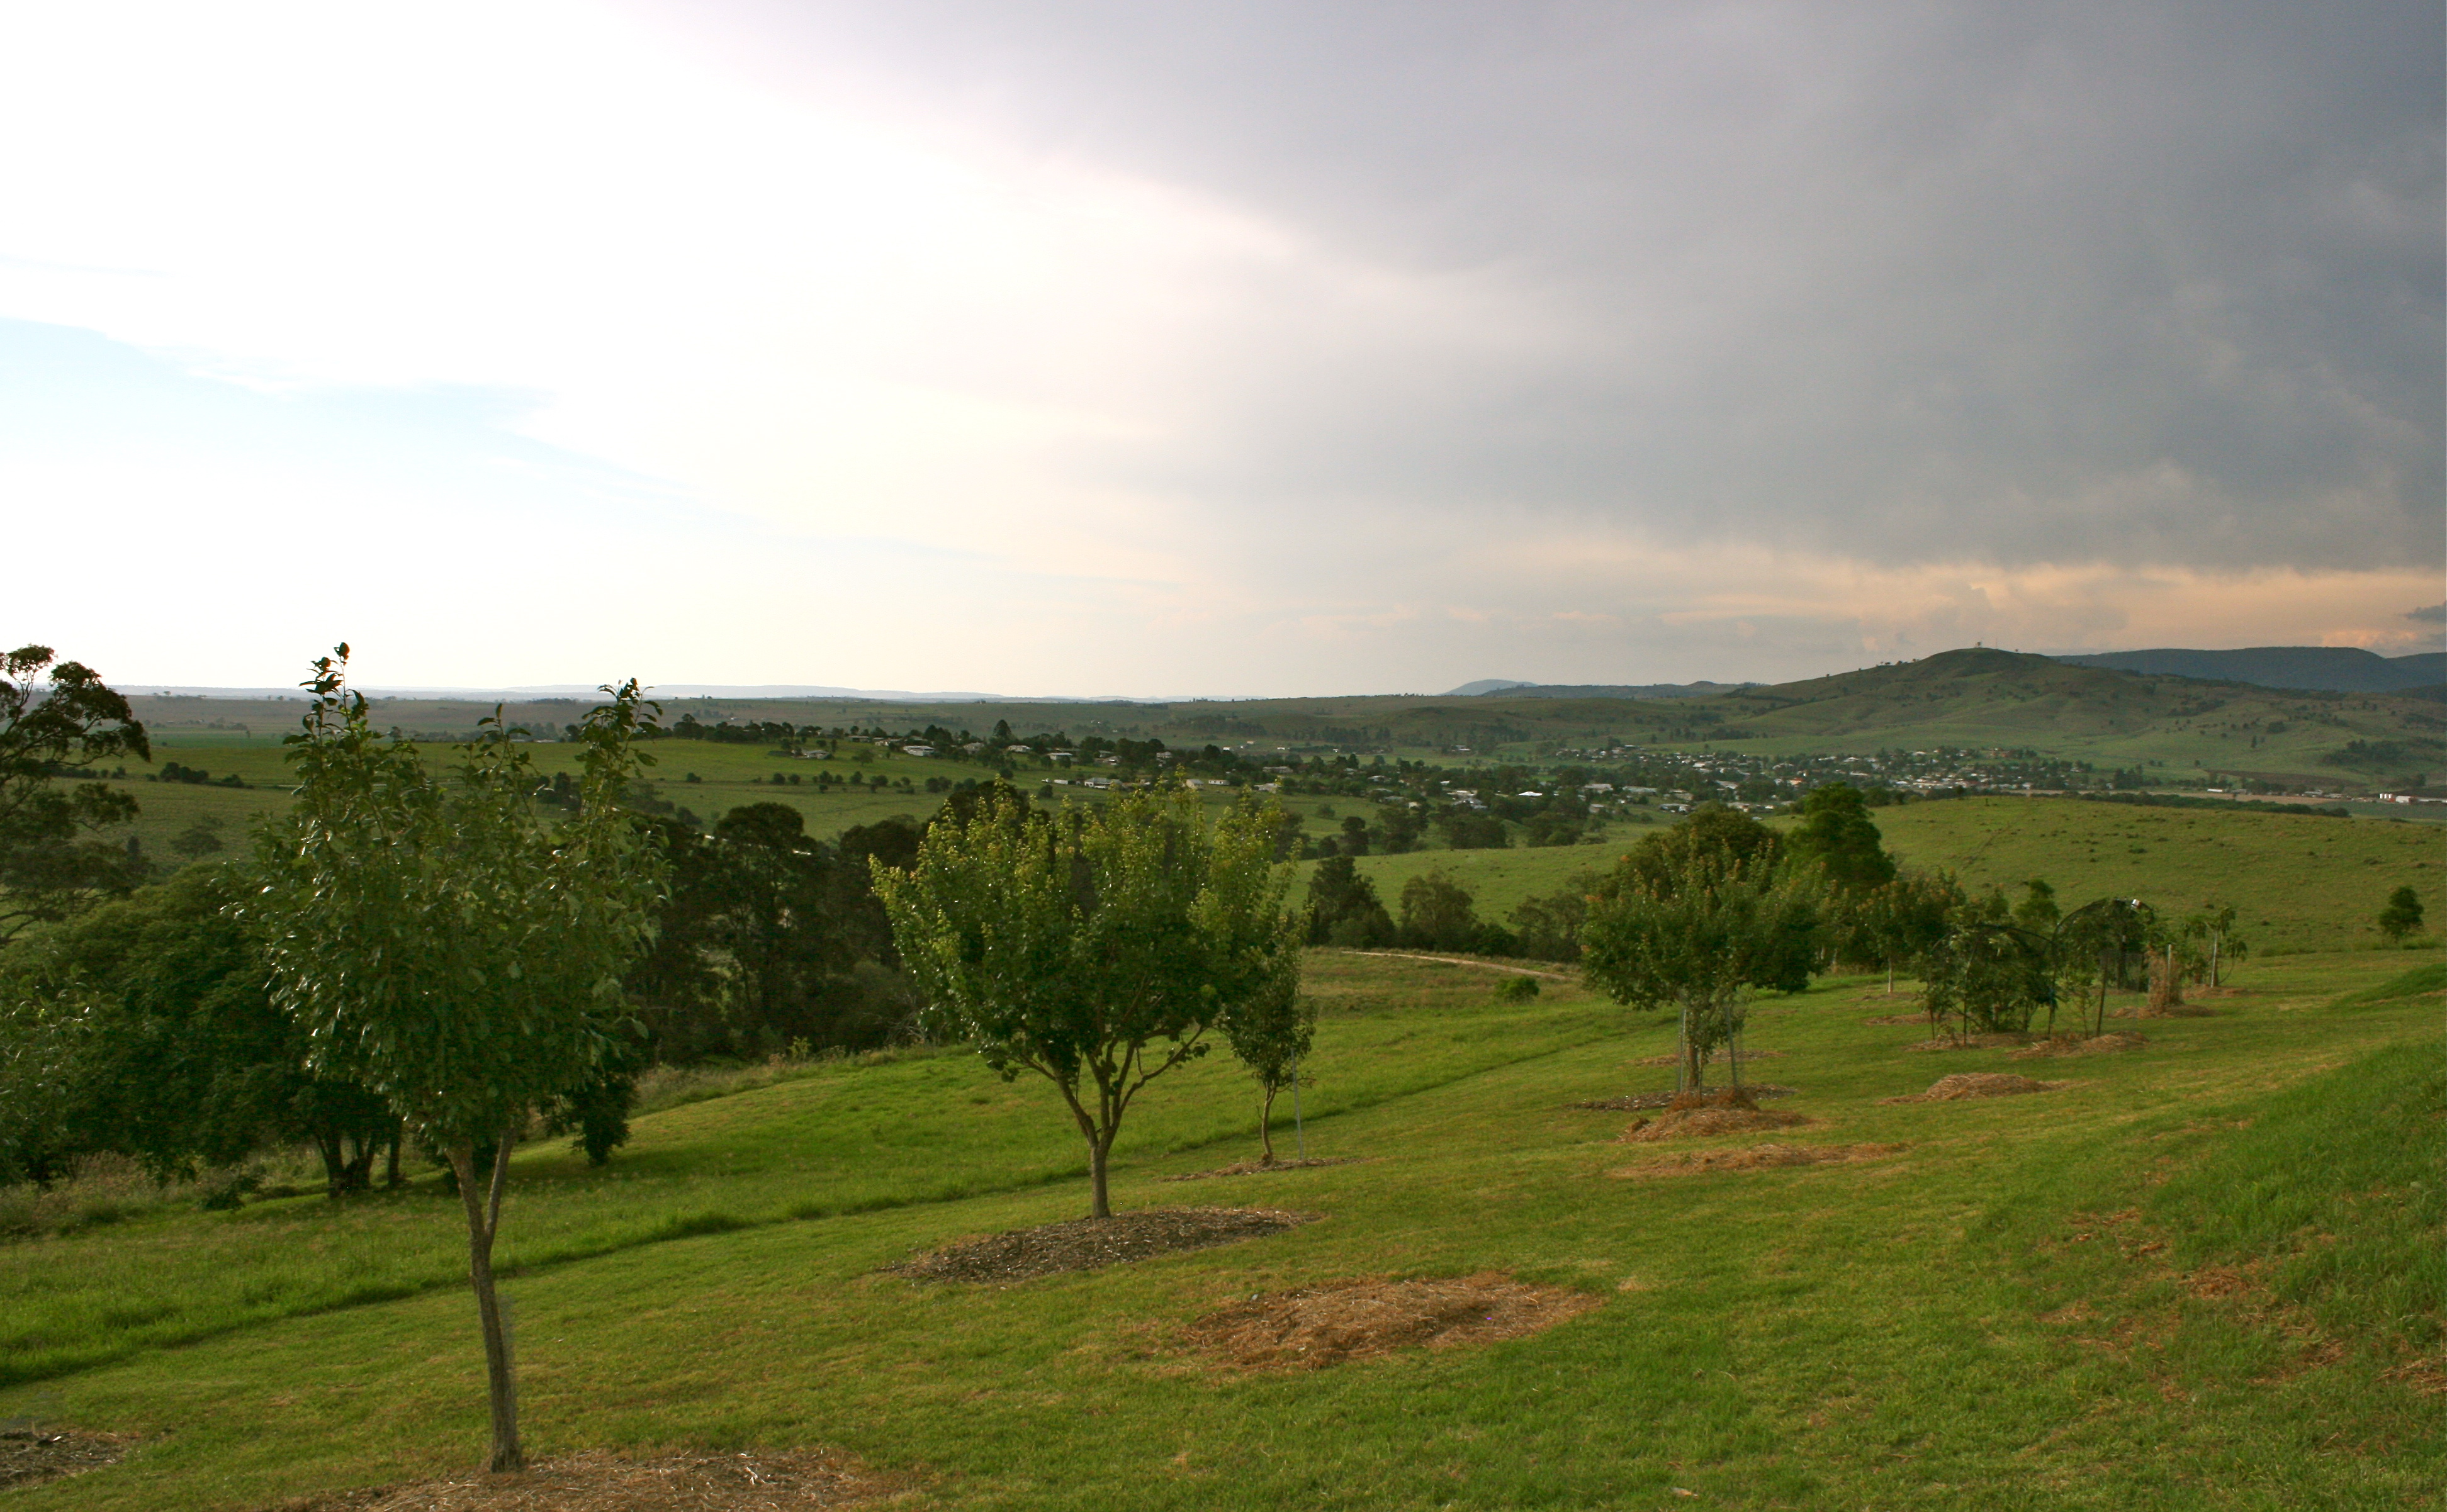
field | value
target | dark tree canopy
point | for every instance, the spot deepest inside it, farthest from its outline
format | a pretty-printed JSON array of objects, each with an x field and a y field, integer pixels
[
  {"x": 1838, "y": 837},
  {"x": 48, "y": 867}
]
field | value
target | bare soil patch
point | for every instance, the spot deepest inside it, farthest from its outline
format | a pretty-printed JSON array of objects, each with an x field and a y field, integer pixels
[
  {"x": 1964, "y": 1085},
  {"x": 1092, "y": 1243},
  {"x": 1315, "y": 1326},
  {"x": 2064, "y": 1045},
  {"x": 1758, "y": 1157},
  {"x": 30, "y": 1456},
  {"x": 1891, "y": 1020},
  {"x": 1702, "y": 1115},
  {"x": 1263, "y": 1169},
  {"x": 599, "y": 1480},
  {"x": 1643, "y": 1101}
]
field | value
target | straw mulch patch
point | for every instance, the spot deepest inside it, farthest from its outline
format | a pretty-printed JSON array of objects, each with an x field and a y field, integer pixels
[
  {"x": 2166, "y": 1010},
  {"x": 1978, "y": 1084},
  {"x": 2064, "y": 1045},
  {"x": 1704, "y": 1115},
  {"x": 1758, "y": 1157},
  {"x": 1890, "y": 1020},
  {"x": 1092, "y": 1243},
  {"x": 1315, "y": 1326},
  {"x": 28, "y": 1455},
  {"x": 1645, "y": 1102},
  {"x": 1263, "y": 1169},
  {"x": 599, "y": 1480}
]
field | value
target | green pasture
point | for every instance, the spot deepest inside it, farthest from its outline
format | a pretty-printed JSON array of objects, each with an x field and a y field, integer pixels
[
  {"x": 2192, "y": 1277},
  {"x": 2302, "y": 881}
]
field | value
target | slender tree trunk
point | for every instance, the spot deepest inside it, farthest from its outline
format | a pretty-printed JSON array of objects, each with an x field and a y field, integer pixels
[
  {"x": 484, "y": 1221},
  {"x": 1266, "y": 1126},
  {"x": 390, "y": 1178},
  {"x": 1099, "y": 1147},
  {"x": 336, "y": 1165}
]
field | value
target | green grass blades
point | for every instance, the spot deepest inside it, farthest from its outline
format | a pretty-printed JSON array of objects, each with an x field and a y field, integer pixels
[{"x": 1976, "y": 1318}]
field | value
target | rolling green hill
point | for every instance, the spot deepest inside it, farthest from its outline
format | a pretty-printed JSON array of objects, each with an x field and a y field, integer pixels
[{"x": 2201, "y": 1274}]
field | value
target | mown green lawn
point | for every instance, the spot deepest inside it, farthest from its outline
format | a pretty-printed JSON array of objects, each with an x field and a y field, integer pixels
[{"x": 2178, "y": 1283}]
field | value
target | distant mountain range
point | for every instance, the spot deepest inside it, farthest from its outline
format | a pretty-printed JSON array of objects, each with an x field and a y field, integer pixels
[{"x": 2319, "y": 668}]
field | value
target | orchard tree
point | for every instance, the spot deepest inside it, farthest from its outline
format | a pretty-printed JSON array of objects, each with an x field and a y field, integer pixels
[
  {"x": 1693, "y": 931},
  {"x": 1095, "y": 948},
  {"x": 49, "y": 864},
  {"x": 445, "y": 945}
]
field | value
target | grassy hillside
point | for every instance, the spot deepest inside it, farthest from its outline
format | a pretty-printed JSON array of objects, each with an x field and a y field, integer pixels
[
  {"x": 2302, "y": 881},
  {"x": 2193, "y": 1278}
]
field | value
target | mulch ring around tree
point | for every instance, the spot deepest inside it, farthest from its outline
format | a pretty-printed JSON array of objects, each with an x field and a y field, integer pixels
[
  {"x": 1706, "y": 1115},
  {"x": 599, "y": 1480},
  {"x": 1315, "y": 1326},
  {"x": 1263, "y": 1169},
  {"x": 1978, "y": 1084},
  {"x": 2064, "y": 1045},
  {"x": 31, "y": 1455},
  {"x": 1092, "y": 1243},
  {"x": 1645, "y": 1102},
  {"x": 1756, "y": 1158}
]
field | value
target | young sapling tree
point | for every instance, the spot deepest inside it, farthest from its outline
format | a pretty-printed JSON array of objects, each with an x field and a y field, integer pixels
[{"x": 449, "y": 948}]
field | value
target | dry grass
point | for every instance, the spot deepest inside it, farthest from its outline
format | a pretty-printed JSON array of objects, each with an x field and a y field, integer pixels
[
  {"x": 2069, "y": 1045},
  {"x": 1964, "y": 1085},
  {"x": 1263, "y": 1169},
  {"x": 1317, "y": 1325},
  {"x": 1756, "y": 1158}
]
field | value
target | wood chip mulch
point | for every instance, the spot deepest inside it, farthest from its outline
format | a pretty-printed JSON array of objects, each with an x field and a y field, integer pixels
[
  {"x": 1758, "y": 1157},
  {"x": 29, "y": 1456},
  {"x": 1315, "y": 1326},
  {"x": 1092, "y": 1243},
  {"x": 599, "y": 1481},
  {"x": 1265, "y": 1168},
  {"x": 1642, "y": 1102},
  {"x": 1978, "y": 1084}
]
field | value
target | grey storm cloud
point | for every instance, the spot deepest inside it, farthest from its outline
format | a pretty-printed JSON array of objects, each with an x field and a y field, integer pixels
[
  {"x": 2429, "y": 615},
  {"x": 2021, "y": 282}
]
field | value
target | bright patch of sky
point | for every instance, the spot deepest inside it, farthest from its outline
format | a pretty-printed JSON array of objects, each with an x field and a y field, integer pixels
[{"x": 1233, "y": 349}]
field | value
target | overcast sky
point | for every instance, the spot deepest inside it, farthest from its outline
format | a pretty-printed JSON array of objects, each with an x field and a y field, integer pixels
[{"x": 1236, "y": 348}]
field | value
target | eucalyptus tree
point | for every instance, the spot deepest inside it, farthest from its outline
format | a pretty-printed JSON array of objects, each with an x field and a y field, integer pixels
[
  {"x": 447, "y": 946},
  {"x": 56, "y": 717},
  {"x": 1095, "y": 948}
]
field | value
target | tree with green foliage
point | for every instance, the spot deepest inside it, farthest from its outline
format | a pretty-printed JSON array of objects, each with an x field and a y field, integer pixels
[
  {"x": 2037, "y": 911},
  {"x": 446, "y": 945},
  {"x": 1343, "y": 909},
  {"x": 2402, "y": 915},
  {"x": 1438, "y": 914},
  {"x": 49, "y": 866},
  {"x": 1898, "y": 924},
  {"x": 1991, "y": 972},
  {"x": 1837, "y": 836},
  {"x": 1693, "y": 925},
  {"x": 1095, "y": 948},
  {"x": 1270, "y": 1029},
  {"x": 177, "y": 1056}
]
